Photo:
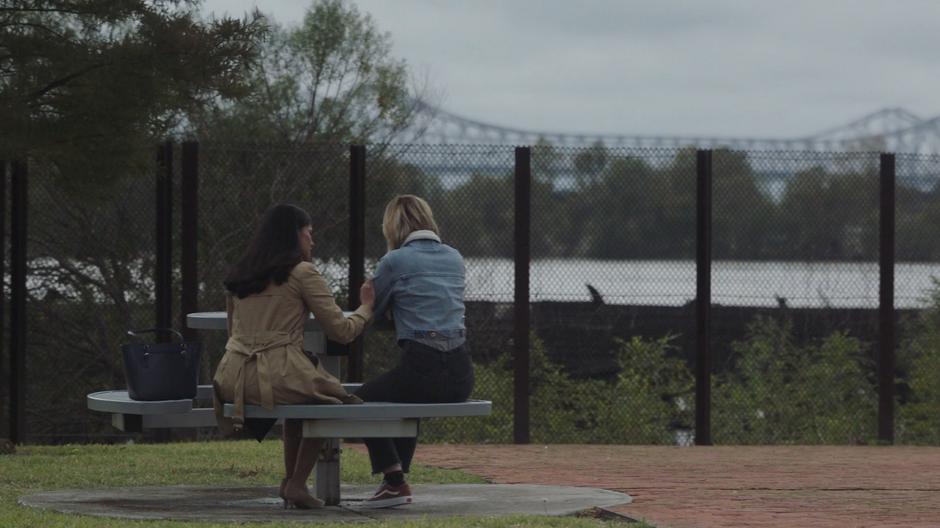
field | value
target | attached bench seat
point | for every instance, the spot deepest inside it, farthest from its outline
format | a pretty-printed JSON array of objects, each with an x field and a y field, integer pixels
[
  {"x": 366, "y": 420},
  {"x": 370, "y": 419},
  {"x": 134, "y": 416}
]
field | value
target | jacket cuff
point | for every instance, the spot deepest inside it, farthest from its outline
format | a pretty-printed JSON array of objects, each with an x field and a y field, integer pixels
[{"x": 365, "y": 312}]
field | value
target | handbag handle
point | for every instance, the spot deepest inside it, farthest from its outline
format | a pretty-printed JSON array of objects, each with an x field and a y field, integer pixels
[{"x": 134, "y": 333}]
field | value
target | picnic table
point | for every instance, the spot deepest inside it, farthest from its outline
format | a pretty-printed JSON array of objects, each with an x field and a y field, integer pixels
[{"x": 331, "y": 422}]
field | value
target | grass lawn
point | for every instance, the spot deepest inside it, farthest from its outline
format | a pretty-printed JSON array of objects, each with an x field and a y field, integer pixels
[{"x": 41, "y": 468}]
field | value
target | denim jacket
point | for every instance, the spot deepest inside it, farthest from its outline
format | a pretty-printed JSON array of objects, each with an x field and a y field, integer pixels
[{"x": 422, "y": 284}]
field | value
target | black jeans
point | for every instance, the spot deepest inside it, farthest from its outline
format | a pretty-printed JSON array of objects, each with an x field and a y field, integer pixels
[{"x": 424, "y": 375}]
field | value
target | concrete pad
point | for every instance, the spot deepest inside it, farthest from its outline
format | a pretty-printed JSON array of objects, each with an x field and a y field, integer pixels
[{"x": 203, "y": 503}]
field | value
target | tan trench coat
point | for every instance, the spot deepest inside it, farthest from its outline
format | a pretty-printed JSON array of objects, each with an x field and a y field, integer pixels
[{"x": 264, "y": 363}]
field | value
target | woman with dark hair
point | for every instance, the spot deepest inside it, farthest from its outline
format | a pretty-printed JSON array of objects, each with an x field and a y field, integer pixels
[{"x": 271, "y": 291}]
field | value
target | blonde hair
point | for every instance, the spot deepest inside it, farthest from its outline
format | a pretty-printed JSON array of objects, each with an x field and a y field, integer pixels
[{"x": 405, "y": 214}]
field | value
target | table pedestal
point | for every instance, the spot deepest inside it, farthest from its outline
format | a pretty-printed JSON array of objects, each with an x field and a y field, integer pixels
[{"x": 327, "y": 473}]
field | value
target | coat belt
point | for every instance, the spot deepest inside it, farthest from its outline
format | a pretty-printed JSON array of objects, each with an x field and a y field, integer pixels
[{"x": 253, "y": 348}]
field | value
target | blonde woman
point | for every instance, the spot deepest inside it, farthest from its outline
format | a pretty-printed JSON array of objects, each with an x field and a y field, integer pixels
[{"x": 419, "y": 283}]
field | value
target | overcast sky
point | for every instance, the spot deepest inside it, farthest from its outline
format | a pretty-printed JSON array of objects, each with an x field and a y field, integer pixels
[{"x": 696, "y": 67}]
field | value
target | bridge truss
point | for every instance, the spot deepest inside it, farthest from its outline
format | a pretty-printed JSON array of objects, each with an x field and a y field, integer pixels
[{"x": 887, "y": 130}]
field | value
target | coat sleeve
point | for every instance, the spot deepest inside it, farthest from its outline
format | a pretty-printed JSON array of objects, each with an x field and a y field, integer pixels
[
  {"x": 383, "y": 279},
  {"x": 229, "y": 310},
  {"x": 319, "y": 299}
]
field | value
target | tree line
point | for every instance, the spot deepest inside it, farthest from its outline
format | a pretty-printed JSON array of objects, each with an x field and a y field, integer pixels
[{"x": 601, "y": 203}]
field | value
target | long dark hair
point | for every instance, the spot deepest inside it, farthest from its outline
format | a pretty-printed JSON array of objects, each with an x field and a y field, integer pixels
[{"x": 273, "y": 252}]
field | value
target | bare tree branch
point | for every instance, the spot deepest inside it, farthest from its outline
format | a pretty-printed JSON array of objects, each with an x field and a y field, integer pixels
[{"x": 64, "y": 80}]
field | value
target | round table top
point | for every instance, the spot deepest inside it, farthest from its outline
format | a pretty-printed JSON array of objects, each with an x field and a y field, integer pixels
[{"x": 217, "y": 321}]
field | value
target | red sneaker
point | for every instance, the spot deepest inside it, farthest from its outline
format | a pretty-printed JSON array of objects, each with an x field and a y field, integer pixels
[{"x": 388, "y": 496}]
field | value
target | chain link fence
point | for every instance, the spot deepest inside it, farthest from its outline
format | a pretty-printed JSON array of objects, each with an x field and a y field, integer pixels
[
  {"x": 612, "y": 276},
  {"x": 917, "y": 283},
  {"x": 796, "y": 293},
  {"x": 90, "y": 259},
  {"x": 795, "y": 283}
]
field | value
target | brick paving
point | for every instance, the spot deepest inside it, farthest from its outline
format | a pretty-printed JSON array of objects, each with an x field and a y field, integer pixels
[{"x": 762, "y": 486}]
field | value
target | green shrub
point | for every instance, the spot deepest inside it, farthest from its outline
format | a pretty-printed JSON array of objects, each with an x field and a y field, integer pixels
[
  {"x": 775, "y": 391},
  {"x": 772, "y": 391},
  {"x": 649, "y": 398},
  {"x": 918, "y": 362}
]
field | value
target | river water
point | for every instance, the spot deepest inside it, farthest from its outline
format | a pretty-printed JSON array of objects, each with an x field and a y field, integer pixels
[{"x": 672, "y": 282}]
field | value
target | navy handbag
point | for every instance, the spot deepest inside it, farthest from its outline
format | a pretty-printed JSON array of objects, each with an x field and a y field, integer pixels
[{"x": 161, "y": 371}]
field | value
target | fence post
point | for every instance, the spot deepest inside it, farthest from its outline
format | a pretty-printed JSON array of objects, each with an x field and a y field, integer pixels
[
  {"x": 357, "y": 247},
  {"x": 886, "y": 319},
  {"x": 189, "y": 235},
  {"x": 18, "y": 271},
  {"x": 703, "y": 296},
  {"x": 163, "y": 278},
  {"x": 522, "y": 257},
  {"x": 4, "y": 375}
]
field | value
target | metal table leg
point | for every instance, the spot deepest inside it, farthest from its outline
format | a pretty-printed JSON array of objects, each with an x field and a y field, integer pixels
[
  {"x": 328, "y": 463},
  {"x": 328, "y": 472}
]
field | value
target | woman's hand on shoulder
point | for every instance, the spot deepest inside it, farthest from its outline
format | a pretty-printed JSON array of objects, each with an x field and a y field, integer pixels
[{"x": 367, "y": 293}]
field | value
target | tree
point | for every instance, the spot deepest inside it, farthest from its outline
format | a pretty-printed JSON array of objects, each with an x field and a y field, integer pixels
[
  {"x": 743, "y": 216},
  {"x": 918, "y": 214},
  {"x": 546, "y": 161},
  {"x": 477, "y": 217},
  {"x": 86, "y": 83},
  {"x": 550, "y": 184},
  {"x": 331, "y": 79},
  {"x": 827, "y": 215},
  {"x": 589, "y": 163},
  {"x": 316, "y": 88},
  {"x": 623, "y": 205},
  {"x": 86, "y": 89}
]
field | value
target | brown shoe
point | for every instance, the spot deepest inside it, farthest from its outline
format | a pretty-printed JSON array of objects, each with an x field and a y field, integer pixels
[
  {"x": 300, "y": 499},
  {"x": 280, "y": 493},
  {"x": 388, "y": 496}
]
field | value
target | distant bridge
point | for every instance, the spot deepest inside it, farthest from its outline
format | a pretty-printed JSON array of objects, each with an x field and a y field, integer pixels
[{"x": 887, "y": 130}]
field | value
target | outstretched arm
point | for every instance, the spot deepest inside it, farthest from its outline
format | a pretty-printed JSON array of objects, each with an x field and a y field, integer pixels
[{"x": 319, "y": 300}]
